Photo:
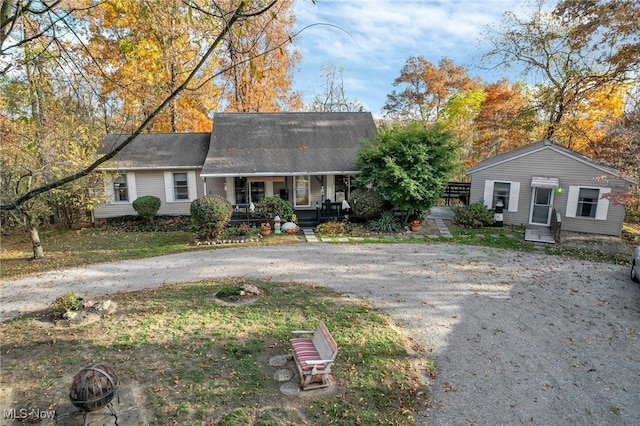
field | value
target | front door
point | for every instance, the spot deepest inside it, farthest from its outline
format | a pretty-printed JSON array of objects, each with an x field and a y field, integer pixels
[{"x": 541, "y": 203}]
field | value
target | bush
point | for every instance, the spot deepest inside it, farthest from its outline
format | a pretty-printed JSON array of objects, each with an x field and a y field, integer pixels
[
  {"x": 366, "y": 203},
  {"x": 147, "y": 207},
  {"x": 273, "y": 206},
  {"x": 210, "y": 215},
  {"x": 331, "y": 228},
  {"x": 65, "y": 303},
  {"x": 387, "y": 224},
  {"x": 476, "y": 215}
]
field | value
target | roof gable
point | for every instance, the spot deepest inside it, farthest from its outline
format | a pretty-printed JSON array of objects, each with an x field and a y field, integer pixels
[
  {"x": 156, "y": 151},
  {"x": 262, "y": 144},
  {"x": 543, "y": 144}
]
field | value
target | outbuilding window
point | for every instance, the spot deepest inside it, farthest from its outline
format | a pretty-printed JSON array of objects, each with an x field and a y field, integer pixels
[
  {"x": 587, "y": 202},
  {"x": 508, "y": 191}
]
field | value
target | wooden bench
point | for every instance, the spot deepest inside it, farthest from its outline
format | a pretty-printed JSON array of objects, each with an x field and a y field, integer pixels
[{"x": 313, "y": 356}]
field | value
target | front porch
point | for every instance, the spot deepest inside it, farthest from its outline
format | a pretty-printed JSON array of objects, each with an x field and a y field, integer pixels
[
  {"x": 545, "y": 234},
  {"x": 325, "y": 212}
]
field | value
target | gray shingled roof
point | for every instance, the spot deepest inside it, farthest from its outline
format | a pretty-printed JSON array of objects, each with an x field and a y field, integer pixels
[
  {"x": 157, "y": 151},
  {"x": 543, "y": 144},
  {"x": 290, "y": 143}
]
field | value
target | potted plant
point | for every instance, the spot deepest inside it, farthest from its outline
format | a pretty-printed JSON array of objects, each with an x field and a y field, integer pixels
[
  {"x": 265, "y": 228},
  {"x": 415, "y": 225}
]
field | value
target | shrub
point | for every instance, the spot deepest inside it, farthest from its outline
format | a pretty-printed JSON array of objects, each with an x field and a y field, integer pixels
[
  {"x": 210, "y": 215},
  {"x": 475, "y": 215},
  {"x": 147, "y": 207},
  {"x": 273, "y": 206},
  {"x": 387, "y": 224},
  {"x": 331, "y": 228},
  {"x": 65, "y": 303},
  {"x": 366, "y": 203}
]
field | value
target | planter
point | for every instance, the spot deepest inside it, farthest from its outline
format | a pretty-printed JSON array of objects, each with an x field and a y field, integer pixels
[
  {"x": 265, "y": 229},
  {"x": 415, "y": 226}
]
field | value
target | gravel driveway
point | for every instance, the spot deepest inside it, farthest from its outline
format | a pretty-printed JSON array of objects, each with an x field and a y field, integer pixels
[{"x": 516, "y": 337}]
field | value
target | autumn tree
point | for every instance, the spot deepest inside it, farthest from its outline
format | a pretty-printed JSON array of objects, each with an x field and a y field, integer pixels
[
  {"x": 333, "y": 97},
  {"x": 609, "y": 27},
  {"x": 569, "y": 66},
  {"x": 504, "y": 121},
  {"x": 459, "y": 114},
  {"x": 424, "y": 89},
  {"x": 36, "y": 33},
  {"x": 259, "y": 60},
  {"x": 47, "y": 129},
  {"x": 140, "y": 51}
]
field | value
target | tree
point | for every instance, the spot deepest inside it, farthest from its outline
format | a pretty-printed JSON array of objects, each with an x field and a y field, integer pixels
[
  {"x": 258, "y": 63},
  {"x": 569, "y": 65},
  {"x": 34, "y": 33},
  {"x": 608, "y": 27},
  {"x": 505, "y": 121},
  {"x": 458, "y": 116},
  {"x": 408, "y": 164},
  {"x": 426, "y": 89},
  {"x": 334, "y": 98},
  {"x": 137, "y": 54}
]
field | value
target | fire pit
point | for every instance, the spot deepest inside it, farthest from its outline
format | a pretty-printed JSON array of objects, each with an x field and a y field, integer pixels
[{"x": 93, "y": 387}]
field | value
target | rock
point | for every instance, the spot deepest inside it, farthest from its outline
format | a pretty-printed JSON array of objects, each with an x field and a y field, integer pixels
[{"x": 252, "y": 289}]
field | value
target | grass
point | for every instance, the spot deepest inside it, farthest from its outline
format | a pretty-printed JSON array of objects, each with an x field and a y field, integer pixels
[
  {"x": 199, "y": 362},
  {"x": 70, "y": 248},
  {"x": 196, "y": 361}
]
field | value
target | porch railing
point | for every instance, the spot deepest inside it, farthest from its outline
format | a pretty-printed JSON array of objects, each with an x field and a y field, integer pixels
[{"x": 556, "y": 225}]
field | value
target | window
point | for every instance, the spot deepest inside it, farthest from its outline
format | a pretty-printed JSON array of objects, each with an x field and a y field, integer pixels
[
  {"x": 587, "y": 202},
  {"x": 501, "y": 191},
  {"x": 342, "y": 183},
  {"x": 509, "y": 191},
  {"x": 301, "y": 188},
  {"x": 180, "y": 186},
  {"x": 256, "y": 190},
  {"x": 241, "y": 192},
  {"x": 120, "y": 190}
]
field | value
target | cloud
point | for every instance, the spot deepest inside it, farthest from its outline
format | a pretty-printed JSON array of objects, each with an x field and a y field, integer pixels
[{"x": 372, "y": 39}]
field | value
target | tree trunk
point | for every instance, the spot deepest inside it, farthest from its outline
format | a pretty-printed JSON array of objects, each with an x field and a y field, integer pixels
[{"x": 38, "y": 252}]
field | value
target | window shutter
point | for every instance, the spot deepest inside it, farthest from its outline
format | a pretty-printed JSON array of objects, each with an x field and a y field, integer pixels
[
  {"x": 168, "y": 186},
  {"x": 108, "y": 190},
  {"x": 131, "y": 187},
  {"x": 192, "y": 184},
  {"x": 488, "y": 193},
  {"x": 514, "y": 196},
  {"x": 603, "y": 204},
  {"x": 572, "y": 201}
]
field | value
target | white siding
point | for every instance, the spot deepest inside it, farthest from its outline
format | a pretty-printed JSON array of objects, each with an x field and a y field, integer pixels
[
  {"x": 570, "y": 172},
  {"x": 153, "y": 183}
]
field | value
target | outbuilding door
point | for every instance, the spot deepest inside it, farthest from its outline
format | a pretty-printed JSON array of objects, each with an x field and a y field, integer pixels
[{"x": 541, "y": 205}]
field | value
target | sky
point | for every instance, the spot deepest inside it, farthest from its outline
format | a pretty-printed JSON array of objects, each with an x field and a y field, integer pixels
[{"x": 372, "y": 40}]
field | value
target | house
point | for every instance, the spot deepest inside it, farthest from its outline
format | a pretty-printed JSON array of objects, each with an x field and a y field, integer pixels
[
  {"x": 165, "y": 165},
  {"x": 544, "y": 181},
  {"x": 307, "y": 158}
]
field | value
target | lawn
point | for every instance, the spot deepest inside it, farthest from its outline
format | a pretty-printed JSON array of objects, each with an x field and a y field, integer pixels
[{"x": 195, "y": 360}]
